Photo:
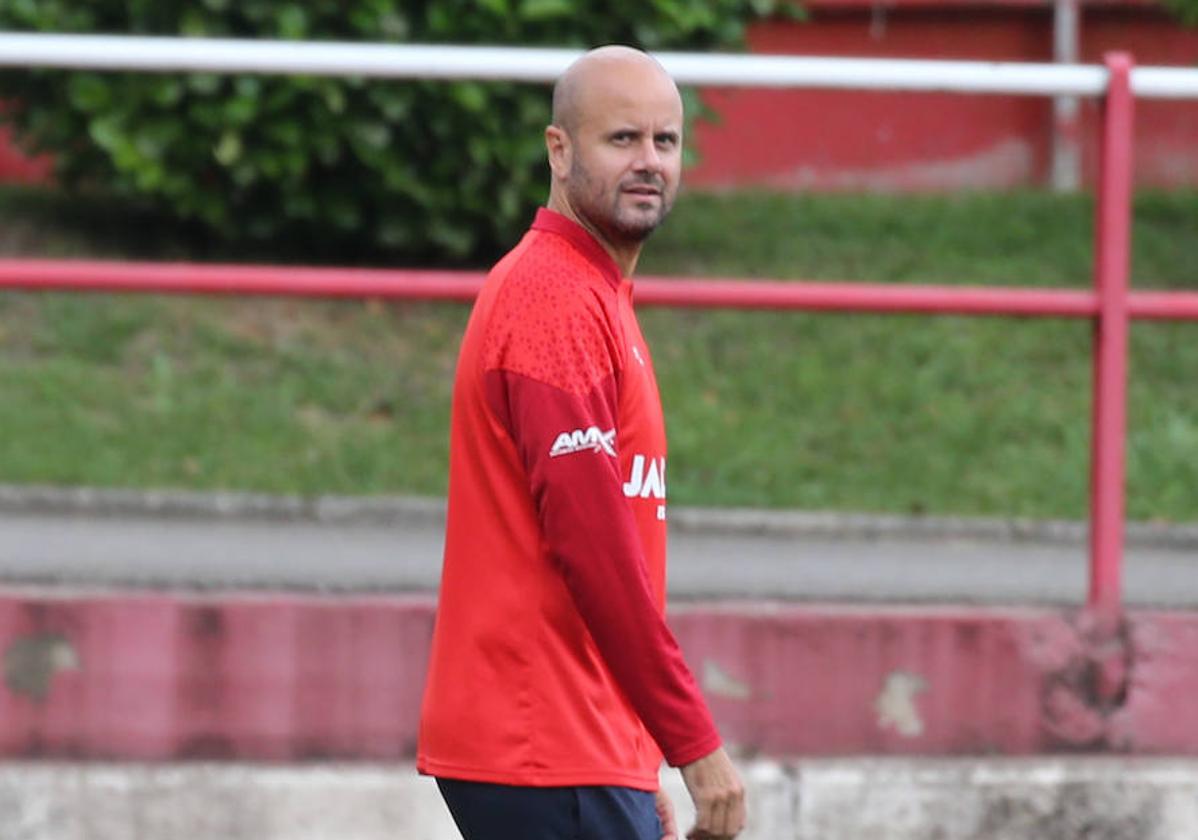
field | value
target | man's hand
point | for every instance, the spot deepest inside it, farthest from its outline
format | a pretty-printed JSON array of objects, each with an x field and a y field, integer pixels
[
  {"x": 665, "y": 813},
  {"x": 718, "y": 794}
]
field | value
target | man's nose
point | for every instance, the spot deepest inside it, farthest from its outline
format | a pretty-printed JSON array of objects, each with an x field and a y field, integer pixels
[{"x": 648, "y": 156}]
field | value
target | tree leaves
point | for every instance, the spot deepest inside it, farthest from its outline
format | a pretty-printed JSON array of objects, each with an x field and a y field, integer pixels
[
  {"x": 344, "y": 169},
  {"x": 1186, "y": 10}
]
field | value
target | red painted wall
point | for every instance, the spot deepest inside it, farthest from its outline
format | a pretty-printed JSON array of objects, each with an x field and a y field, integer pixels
[
  {"x": 807, "y": 139},
  {"x": 157, "y": 676},
  {"x": 849, "y": 140},
  {"x": 1166, "y": 150},
  {"x": 15, "y": 167}
]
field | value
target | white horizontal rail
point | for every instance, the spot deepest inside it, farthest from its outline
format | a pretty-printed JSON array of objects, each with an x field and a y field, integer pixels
[
  {"x": 1165, "y": 82},
  {"x": 417, "y": 61}
]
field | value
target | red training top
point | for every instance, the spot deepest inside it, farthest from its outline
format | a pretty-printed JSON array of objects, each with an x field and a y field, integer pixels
[{"x": 551, "y": 661}]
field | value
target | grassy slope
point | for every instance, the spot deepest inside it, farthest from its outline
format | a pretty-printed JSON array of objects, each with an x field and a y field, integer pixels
[
  {"x": 946, "y": 415},
  {"x": 909, "y": 413}
]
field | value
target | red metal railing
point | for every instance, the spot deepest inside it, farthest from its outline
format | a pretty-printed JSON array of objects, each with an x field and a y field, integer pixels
[
  {"x": 1112, "y": 261},
  {"x": 1109, "y": 304}
]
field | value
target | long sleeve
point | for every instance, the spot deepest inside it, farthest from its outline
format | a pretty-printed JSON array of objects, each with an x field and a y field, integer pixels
[{"x": 556, "y": 395}]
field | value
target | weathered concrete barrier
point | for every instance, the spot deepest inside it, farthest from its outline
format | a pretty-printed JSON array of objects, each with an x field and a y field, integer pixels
[
  {"x": 1077, "y": 798},
  {"x": 284, "y": 677}
]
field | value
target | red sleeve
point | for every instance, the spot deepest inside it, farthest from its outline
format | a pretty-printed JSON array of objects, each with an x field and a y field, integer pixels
[{"x": 591, "y": 532}]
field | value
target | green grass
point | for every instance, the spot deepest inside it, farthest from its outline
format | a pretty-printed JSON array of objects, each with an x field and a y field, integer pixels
[
  {"x": 280, "y": 396},
  {"x": 820, "y": 411}
]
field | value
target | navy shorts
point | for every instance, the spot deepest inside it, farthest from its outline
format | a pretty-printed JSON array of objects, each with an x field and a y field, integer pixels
[{"x": 501, "y": 812}]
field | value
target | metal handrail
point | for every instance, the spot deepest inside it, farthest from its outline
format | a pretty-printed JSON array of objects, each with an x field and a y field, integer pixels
[{"x": 156, "y": 54}]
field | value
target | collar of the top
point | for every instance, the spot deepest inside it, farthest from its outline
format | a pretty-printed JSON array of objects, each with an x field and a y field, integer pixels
[{"x": 551, "y": 221}]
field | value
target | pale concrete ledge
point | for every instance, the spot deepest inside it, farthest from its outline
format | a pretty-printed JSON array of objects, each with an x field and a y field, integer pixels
[
  {"x": 415, "y": 510},
  {"x": 1075, "y": 798}
]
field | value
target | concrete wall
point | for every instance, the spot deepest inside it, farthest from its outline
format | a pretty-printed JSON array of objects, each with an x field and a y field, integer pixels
[
  {"x": 850, "y": 799},
  {"x": 287, "y": 677}
]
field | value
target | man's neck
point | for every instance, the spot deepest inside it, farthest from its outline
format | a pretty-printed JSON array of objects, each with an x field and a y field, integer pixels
[{"x": 624, "y": 256}]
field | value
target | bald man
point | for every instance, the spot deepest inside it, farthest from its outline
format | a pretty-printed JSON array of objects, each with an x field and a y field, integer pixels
[{"x": 555, "y": 687}]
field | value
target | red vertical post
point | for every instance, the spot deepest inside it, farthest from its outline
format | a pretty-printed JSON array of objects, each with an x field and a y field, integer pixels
[{"x": 1112, "y": 259}]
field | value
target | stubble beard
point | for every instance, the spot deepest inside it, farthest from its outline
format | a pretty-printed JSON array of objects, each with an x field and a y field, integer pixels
[{"x": 618, "y": 224}]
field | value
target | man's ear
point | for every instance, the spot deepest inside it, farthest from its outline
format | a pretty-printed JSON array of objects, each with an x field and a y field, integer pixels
[{"x": 557, "y": 143}]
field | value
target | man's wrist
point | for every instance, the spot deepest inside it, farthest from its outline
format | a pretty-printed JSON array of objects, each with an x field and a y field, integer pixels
[{"x": 695, "y": 750}]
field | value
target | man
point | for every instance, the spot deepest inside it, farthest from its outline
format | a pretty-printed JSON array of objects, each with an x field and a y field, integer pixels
[{"x": 554, "y": 685}]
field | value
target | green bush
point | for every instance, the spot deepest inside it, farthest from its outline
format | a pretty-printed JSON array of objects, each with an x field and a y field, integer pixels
[
  {"x": 1186, "y": 10},
  {"x": 336, "y": 168}
]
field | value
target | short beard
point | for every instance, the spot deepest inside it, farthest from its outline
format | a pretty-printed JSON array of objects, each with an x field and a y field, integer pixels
[{"x": 609, "y": 219}]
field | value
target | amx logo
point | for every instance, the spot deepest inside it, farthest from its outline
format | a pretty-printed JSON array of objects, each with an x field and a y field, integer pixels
[{"x": 581, "y": 440}]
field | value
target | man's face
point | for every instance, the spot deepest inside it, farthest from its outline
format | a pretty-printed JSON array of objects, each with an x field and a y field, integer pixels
[{"x": 627, "y": 159}]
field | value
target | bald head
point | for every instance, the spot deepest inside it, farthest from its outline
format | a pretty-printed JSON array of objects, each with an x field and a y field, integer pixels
[
  {"x": 615, "y": 147},
  {"x": 592, "y": 79}
]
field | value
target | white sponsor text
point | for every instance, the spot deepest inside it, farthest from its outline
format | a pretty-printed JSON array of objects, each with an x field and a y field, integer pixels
[
  {"x": 647, "y": 478},
  {"x": 582, "y": 440}
]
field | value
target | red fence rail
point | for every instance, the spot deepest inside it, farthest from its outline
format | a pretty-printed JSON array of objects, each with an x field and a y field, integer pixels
[
  {"x": 1109, "y": 304},
  {"x": 1112, "y": 260}
]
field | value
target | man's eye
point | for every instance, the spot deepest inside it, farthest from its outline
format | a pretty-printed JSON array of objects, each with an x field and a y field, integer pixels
[{"x": 667, "y": 140}]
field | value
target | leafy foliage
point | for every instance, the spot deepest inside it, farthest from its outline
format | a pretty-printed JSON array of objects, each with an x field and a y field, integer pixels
[
  {"x": 338, "y": 168},
  {"x": 1186, "y": 10}
]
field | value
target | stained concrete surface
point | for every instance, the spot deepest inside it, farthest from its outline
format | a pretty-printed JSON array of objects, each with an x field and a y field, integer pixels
[{"x": 817, "y": 799}]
